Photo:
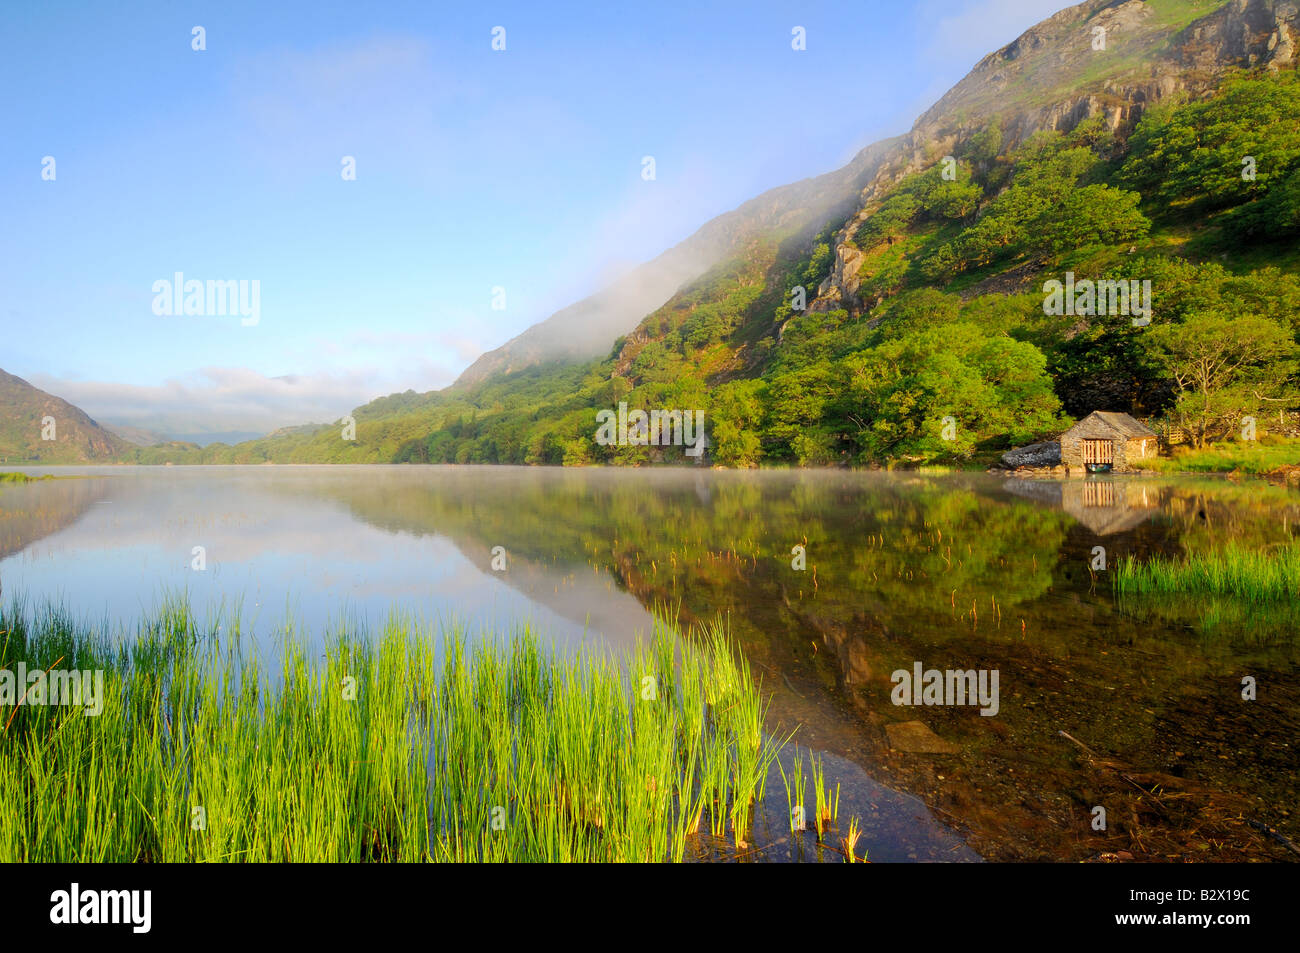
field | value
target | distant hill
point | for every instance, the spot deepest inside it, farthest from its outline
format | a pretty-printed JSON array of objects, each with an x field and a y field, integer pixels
[
  {"x": 137, "y": 436},
  {"x": 24, "y": 410},
  {"x": 214, "y": 436},
  {"x": 143, "y": 437}
]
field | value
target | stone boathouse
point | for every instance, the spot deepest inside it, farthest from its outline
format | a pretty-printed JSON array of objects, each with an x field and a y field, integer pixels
[{"x": 1105, "y": 437}]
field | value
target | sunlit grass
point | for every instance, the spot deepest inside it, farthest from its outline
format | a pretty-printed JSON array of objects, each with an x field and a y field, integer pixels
[
  {"x": 412, "y": 746},
  {"x": 1254, "y": 456},
  {"x": 1270, "y": 574}
]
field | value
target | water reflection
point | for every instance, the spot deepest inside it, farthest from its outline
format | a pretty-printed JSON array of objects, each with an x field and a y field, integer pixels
[
  {"x": 1104, "y": 506},
  {"x": 963, "y": 571}
]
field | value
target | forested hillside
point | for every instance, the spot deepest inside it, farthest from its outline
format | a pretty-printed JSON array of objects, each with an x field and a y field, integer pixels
[{"x": 914, "y": 324}]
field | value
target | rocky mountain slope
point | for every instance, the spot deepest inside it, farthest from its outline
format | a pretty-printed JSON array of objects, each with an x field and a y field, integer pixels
[
  {"x": 1052, "y": 78},
  {"x": 586, "y": 329},
  {"x": 28, "y": 415}
]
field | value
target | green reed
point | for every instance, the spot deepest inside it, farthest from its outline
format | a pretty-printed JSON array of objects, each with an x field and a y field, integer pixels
[
  {"x": 828, "y": 802},
  {"x": 794, "y": 792},
  {"x": 411, "y": 746},
  {"x": 850, "y": 842},
  {"x": 1250, "y": 574}
]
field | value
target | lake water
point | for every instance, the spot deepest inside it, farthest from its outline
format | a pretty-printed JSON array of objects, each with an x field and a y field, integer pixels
[{"x": 962, "y": 571}]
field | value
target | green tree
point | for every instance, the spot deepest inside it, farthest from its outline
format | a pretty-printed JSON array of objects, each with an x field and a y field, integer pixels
[
  {"x": 1092, "y": 215},
  {"x": 985, "y": 145},
  {"x": 1224, "y": 366},
  {"x": 987, "y": 389},
  {"x": 736, "y": 420},
  {"x": 1275, "y": 217},
  {"x": 1196, "y": 155}
]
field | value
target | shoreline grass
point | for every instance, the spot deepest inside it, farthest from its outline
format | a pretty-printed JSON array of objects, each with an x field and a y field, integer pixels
[
  {"x": 1256, "y": 458},
  {"x": 13, "y": 477},
  {"x": 1249, "y": 574},
  {"x": 412, "y": 746}
]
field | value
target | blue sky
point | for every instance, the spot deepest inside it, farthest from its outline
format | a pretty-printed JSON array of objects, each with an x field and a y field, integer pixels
[{"x": 475, "y": 169}]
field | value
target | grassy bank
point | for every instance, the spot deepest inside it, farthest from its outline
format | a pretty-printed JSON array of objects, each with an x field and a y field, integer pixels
[
  {"x": 411, "y": 746},
  {"x": 1253, "y": 457},
  {"x": 21, "y": 478}
]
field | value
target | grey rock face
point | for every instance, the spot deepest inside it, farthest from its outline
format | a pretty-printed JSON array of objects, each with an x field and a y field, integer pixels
[{"x": 1046, "y": 454}]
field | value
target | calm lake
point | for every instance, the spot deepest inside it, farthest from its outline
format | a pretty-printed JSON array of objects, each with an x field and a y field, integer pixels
[{"x": 961, "y": 571}]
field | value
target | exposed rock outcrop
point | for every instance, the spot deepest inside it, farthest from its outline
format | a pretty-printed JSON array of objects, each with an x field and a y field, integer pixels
[
  {"x": 1040, "y": 82},
  {"x": 1045, "y": 454}
]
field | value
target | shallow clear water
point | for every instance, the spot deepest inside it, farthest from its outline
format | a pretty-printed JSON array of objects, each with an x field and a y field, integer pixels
[{"x": 955, "y": 571}]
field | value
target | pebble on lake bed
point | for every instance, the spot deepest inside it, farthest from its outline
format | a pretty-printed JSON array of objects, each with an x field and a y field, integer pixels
[{"x": 915, "y": 738}]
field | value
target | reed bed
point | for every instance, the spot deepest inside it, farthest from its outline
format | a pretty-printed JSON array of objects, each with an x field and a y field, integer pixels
[
  {"x": 826, "y": 813},
  {"x": 1253, "y": 575},
  {"x": 413, "y": 745}
]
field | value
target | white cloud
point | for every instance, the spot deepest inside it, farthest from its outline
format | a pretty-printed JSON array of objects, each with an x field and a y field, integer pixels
[{"x": 214, "y": 399}]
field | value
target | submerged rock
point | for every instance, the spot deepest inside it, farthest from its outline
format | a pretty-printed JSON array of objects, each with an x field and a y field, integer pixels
[{"x": 915, "y": 738}]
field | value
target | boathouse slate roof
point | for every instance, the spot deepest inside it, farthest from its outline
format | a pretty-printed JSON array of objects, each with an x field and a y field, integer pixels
[{"x": 1122, "y": 424}]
